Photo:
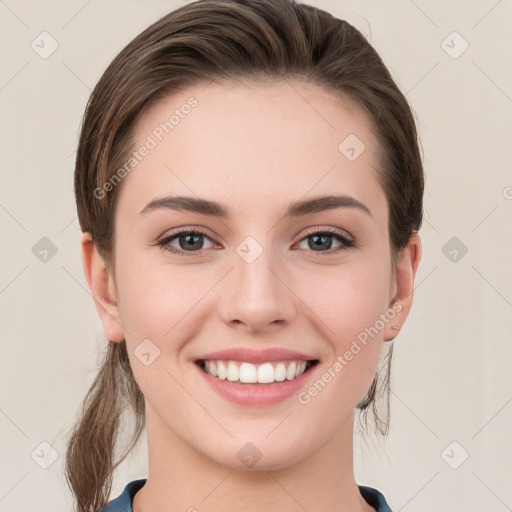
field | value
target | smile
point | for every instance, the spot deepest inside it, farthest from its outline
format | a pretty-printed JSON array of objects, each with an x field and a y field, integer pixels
[{"x": 265, "y": 373}]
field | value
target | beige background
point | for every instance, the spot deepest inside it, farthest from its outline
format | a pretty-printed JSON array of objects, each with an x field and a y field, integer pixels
[{"x": 452, "y": 379}]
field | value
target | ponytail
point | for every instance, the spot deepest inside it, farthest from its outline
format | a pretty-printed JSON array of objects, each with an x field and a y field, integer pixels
[{"x": 90, "y": 453}]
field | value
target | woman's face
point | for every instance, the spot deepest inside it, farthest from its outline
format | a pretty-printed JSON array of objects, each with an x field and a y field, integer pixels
[{"x": 265, "y": 275}]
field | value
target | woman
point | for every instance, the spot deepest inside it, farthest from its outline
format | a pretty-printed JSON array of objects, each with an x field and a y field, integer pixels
[{"x": 249, "y": 186}]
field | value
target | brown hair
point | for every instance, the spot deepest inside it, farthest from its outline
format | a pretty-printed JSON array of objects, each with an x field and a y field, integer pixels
[{"x": 262, "y": 40}]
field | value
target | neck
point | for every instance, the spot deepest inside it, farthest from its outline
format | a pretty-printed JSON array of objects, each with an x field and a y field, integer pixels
[{"x": 180, "y": 478}]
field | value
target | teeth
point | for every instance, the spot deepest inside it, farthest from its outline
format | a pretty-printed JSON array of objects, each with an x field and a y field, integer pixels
[
  {"x": 248, "y": 372},
  {"x": 291, "y": 370},
  {"x": 280, "y": 372},
  {"x": 222, "y": 371},
  {"x": 265, "y": 373},
  {"x": 233, "y": 372}
]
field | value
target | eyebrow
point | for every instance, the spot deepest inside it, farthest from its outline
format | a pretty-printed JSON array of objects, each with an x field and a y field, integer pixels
[{"x": 213, "y": 208}]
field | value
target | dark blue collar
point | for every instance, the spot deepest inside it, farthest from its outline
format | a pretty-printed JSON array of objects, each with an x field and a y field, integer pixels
[{"x": 123, "y": 503}]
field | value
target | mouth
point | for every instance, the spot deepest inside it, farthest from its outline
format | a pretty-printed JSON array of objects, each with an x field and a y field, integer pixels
[{"x": 265, "y": 373}]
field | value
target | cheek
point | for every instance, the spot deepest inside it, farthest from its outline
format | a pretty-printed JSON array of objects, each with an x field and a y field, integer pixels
[
  {"x": 167, "y": 304},
  {"x": 140, "y": 302},
  {"x": 346, "y": 298},
  {"x": 350, "y": 302},
  {"x": 161, "y": 302},
  {"x": 155, "y": 309},
  {"x": 158, "y": 300}
]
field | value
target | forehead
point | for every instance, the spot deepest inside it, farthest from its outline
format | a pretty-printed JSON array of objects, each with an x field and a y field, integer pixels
[{"x": 254, "y": 142}]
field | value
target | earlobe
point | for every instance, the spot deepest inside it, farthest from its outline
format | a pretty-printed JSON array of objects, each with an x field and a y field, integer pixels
[
  {"x": 405, "y": 274},
  {"x": 101, "y": 284}
]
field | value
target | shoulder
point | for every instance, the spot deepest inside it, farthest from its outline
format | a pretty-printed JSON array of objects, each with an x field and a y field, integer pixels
[
  {"x": 123, "y": 503},
  {"x": 374, "y": 498}
]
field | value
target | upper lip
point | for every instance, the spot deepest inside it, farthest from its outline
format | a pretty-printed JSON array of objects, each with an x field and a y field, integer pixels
[{"x": 255, "y": 356}]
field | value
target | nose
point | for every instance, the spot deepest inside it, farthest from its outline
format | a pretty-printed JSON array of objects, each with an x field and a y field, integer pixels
[{"x": 255, "y": 296}]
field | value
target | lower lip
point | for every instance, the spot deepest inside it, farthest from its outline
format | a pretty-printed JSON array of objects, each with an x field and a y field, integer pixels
[{"x": 257, "y": 394}]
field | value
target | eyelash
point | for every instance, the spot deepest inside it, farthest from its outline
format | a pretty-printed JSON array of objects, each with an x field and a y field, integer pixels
[{"x": 346, "y": 242}]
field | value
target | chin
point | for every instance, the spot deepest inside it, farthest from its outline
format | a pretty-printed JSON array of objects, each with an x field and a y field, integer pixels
[{"x": 257, "y": 456}]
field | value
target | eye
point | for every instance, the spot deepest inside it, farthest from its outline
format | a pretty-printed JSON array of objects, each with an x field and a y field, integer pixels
[
  {"x": 192, "y": 241},
  {"x": 317, "y": 241},
  {"x": 188, "y": 240}
]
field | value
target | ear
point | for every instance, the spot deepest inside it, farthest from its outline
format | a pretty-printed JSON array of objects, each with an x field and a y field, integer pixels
[
  {"x": 403, "y": 285},
  {"x": 102, "y": 287}
]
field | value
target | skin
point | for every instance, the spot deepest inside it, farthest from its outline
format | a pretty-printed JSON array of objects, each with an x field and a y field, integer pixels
[{"x": 255, "y": 148}]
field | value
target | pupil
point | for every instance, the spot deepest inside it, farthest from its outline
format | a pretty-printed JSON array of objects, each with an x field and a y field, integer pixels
[
  {"x": 190, "y": 239},
  {"x": 319, "y": 240}
]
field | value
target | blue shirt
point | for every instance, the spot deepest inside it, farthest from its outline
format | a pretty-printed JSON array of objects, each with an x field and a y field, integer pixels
[{"x": 123, "y": 503}]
